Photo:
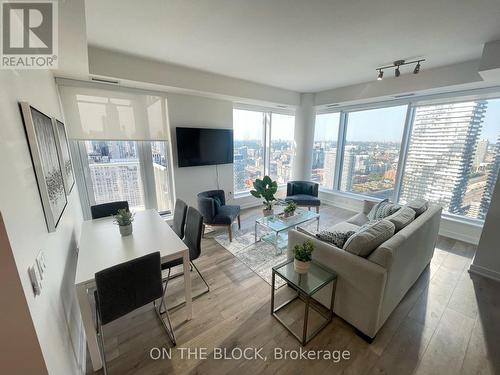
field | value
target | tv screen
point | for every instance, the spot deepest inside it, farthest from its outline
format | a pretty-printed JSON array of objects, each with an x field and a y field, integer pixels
[{"x": 198, "y": 146}]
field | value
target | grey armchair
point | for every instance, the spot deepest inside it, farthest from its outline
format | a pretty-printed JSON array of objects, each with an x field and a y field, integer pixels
[
  {"x": 215, "y": 212},
  {"x": 303, "y": 193}
]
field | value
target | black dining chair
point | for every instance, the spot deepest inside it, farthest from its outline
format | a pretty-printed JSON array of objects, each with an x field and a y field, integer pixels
[
  {"x": 192, "y": 238},
  {"x": 126, "y": 287},
  {"x": 180, "y": 212},
  {"x": 107, "y": 209}
]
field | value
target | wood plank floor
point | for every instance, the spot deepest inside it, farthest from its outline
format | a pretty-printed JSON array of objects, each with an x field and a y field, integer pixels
[{"x": 448, "y": 323}]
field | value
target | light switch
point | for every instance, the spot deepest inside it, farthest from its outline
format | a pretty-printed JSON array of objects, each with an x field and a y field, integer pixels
[
  {"x": 35, "y": 279},
  {"x": 40, "y": 263}
]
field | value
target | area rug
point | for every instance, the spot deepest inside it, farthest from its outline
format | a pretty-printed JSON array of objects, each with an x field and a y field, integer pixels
[{"x": 259, "y": 256}]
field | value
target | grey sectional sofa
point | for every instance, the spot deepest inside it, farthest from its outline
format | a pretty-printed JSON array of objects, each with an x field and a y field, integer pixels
[{"x": 369, "y": 289}]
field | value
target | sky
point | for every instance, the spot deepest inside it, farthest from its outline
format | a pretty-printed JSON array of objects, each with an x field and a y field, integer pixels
[
  {"x": 248, "y": 125},
  {"x": 386, "y": 124}
]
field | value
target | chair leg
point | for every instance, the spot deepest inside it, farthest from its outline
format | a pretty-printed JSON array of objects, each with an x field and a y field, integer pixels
[
  {"x": 317, "y": 209},
  {"x": 203, "y": 231},
  {"x": 230, "y": 232},
  {"x": 168, "y": 329},
  {"x": 205, "y": 281},
  {"x": 239, "y": 222},
  {"x": 163, "y": 303},
  {"x": 101, "y": 345}
]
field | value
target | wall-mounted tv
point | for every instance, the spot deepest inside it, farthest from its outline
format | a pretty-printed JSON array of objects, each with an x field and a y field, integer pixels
[{"x": 201, "y": 146}]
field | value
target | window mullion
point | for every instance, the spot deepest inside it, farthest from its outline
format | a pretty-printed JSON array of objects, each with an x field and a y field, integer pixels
[
  {"x": 340, "y": 150},
  {"x": 403, "y": 151},
  {"x": 148, "y": 181}
]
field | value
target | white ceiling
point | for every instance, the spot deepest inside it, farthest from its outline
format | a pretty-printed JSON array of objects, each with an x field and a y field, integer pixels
[{"x": 301, "y": 45}]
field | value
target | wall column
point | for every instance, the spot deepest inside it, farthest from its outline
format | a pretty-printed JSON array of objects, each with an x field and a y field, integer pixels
[{"x": 304, "y": 137}]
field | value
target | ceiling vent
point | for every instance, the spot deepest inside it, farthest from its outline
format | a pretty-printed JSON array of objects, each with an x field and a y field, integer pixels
[
  {"x": 103, "y": 80},
  {"x": 332, "y": 105},
  {"x": 400, "y": 96}
]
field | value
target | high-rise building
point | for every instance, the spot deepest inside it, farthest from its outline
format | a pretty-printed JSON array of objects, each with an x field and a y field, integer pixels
[
  {"x": 441, "y": 153},
  {"x": 348, "y": 165},
  {"x": 480, "y": 153},
  {"x": 490, "y": 183},
  {"x": 329, "y": 170}
]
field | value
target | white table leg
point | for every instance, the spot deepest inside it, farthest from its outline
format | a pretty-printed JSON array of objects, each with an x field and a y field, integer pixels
[
  {"x": 88, "y": 325},
  {"x": 187, "y": 285}
]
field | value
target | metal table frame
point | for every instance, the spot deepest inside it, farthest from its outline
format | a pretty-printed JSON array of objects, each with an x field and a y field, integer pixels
[{"x": 308, "y": 301}]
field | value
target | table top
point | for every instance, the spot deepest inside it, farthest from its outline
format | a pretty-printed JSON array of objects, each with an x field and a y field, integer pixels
[
  {"x": 316, "y": 278},
  {"x": 279, "y": 223},
  {"x": 102, "y": 246}
]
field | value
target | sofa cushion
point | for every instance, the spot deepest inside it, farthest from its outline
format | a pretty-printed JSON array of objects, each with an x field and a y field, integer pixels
[
  {"x": 418, "y": 205},
  {"x": 367, "y": 206},
  {"x": 401, "y": 218},
  {"x": 343, "y": 226},
  {"x": 226, "y": 215},
  {"x": 369, "y": 237},
  {"x": 358, "y": 219},
  {"x": 336, "y": 238},
  {"x": 382, "y": 210},
  {"x": 304, "y": 200}
]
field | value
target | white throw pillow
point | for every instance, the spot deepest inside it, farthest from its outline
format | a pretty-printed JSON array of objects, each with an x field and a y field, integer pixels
[
  {"x": 402, "y": 218},
  {"x": 369, "y": 237}
]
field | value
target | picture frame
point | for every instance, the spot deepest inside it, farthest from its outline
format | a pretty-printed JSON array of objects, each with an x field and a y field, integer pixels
[
  {"x": 64, "y": 155},
  {"x": 41, "y": 139}
]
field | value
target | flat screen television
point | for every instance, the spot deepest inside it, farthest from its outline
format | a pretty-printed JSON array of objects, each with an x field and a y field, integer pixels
[{"x": 200, "y": 146}]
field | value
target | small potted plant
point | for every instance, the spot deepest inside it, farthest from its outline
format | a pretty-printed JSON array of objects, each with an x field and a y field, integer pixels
[
  {"x": 303, "y": 257},
  {"x": 124, "y": 219},
  {"x": 290, "y": 209},
  {"x": 265, "y": 188}
]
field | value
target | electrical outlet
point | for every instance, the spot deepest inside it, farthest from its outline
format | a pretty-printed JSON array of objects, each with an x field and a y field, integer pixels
[
  {"x": 40, "y": 263},
  {"x": 36, "y": 281}
]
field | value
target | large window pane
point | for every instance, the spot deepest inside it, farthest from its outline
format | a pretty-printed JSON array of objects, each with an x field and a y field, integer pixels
[
  {"x": 371, "y": 152},
  {"x": 248, "y": 128},
  {"x": 159, "y": 151},
  {"x": 282, "y": 147},
  {"x": 325, "y": 149},
  {"x": 453, "y": 157},
  {"x": 115, "y": 172}
]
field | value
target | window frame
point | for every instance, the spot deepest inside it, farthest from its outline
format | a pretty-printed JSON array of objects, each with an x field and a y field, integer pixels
[
  {"x": 412, "y": 101},
  {"x": 267, "y": 116},
  {"x": 144, "y": 151}
]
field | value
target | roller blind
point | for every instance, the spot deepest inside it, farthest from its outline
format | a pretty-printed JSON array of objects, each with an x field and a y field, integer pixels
[{"x": 96, "y": 112}]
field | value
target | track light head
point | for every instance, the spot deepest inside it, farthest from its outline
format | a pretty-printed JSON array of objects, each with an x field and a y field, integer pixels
[
  {"x": 397, "y": 72},
  {"x": 380, "y": 75},
  {"x": 417, "y": 68}
]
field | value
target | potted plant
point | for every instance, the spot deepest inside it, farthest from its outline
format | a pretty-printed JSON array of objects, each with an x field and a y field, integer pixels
[
  {"x": 290, "y": 209},
  {"x": 265, "y": 188},
  {"x": 303, "y": 257},
  {"x": 124, "y": 219}
]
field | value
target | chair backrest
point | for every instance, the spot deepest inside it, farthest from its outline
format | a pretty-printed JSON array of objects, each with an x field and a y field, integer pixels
[
  {"x": 302, "y": 187},
  {"x": 179, "y": 217},
  {"x": 194, "y": 228},
  {"x": 128, "y": 286},
  {"x": 206, "y": 203},
  {"x": 107, "y": 209}
]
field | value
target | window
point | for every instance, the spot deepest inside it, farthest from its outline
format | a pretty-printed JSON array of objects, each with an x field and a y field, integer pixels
[
  {"x": 453, "y": 156},
  {"x": 371, "y": 151},
  {"x": 446, "y": 151},
  {"x": 248, "y": 133},
  {"x": 135, "y": 171},
  {"x": 263, "y": 144},
  {"x": 282, "y": 147},
  {"x": 325, "y": 149}
]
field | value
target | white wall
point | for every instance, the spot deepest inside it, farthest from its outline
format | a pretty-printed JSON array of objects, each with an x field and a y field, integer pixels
[
  {"x": 197, "y": 111},
  {"x": 55, "y": 313},
  {"x": 487, "y": 259}
]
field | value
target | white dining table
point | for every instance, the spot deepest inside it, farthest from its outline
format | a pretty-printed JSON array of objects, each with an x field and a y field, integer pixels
[{"x": 102, "y": 246}]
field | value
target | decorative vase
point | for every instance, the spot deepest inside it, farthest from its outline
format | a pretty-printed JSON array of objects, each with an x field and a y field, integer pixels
[
  {"x": 268, "y": 212},
  {"x": 300, "y": 266},
  {"x": 289, "y": 214},
  {"x": 125, "y": 230}
]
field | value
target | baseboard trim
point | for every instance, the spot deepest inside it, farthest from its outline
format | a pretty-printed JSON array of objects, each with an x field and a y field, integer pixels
[{"x": 485, "y": 272}]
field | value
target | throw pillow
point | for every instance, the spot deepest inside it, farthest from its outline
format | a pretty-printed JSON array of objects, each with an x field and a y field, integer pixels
[
  {"x": 382, "y": 210},
  {"x": 335, "y": 237},
  {"x": 418, "y": 205},
  {"x": 369, "y": 237},
  {"x": 402, "y": 217}
]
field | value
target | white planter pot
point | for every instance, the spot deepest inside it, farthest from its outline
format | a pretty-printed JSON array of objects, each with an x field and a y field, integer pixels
[
  {"x": 301, "y": 267},
  {"x": 125, "y": 230}
]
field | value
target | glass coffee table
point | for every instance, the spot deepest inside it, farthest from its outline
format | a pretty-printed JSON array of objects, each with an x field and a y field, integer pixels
[
  {"x": 305, "y": 286},
  {"x": 278, "y": 226}
]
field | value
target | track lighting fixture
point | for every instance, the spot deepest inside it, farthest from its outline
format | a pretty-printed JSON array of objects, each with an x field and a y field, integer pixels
[{"x": 397, "y": 71}]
